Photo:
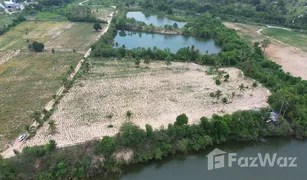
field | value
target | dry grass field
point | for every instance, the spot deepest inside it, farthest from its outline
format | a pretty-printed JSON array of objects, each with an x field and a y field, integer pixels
[
  {"x": 28, "y": 81},
  {"x": 58, "y": 35},
  {"x": 155, "y": 95}
]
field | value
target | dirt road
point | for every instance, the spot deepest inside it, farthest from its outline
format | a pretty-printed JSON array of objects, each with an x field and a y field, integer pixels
[{"x": 292, "y": 59}]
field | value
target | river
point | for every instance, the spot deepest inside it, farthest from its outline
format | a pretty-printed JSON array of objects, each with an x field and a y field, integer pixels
[
  {"x": 134, "y": 39},
  {"x": 153, "y": 19},
  {"x": 195, "y": 166}
]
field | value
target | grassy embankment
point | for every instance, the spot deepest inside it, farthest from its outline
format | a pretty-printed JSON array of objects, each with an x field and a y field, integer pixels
[{"x": 290, "y": 37}]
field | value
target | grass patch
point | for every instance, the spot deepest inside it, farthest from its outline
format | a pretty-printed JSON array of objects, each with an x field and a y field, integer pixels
[
  {"x": 80, "y": 37},
  {"x": 57, "y": 35},
  {"x": 28, "y": 82},
  {"x": 49, "y": 16},
  {"x": 294, "y": 38}
]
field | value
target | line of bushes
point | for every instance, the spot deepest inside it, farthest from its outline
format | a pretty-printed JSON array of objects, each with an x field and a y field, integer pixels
[
  {"x": 15, "y": 22},
  {"x": 96, "y": 158}
]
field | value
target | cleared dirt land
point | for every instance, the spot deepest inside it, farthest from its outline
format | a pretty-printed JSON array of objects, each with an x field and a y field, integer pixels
[
  {"x": 155, "y": 95},
  {"x": 57, "y": 35},
  {"x": 28, "y": 81},
  {"x": 292, "y": 59}
]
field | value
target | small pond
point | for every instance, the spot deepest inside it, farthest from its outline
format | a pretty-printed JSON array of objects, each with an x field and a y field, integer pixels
[
  {"x": 134, "y": 39},
  {"x": 153, "y": 19}
]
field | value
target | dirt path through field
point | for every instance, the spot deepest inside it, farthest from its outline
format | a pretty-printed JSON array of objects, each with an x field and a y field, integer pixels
[
  {"x": 19, "y": 145},
  {"x": 292, "y": 59},
  {"x": 7, "y": 56}
]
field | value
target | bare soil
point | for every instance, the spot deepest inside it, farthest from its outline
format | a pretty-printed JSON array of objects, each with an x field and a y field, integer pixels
[
  {"x": 155, "y": 95},
  {"x": 292, "y": 59}
]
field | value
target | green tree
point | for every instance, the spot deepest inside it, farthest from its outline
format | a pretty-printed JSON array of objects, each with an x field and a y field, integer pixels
[
  {"x": 51, "y": 145},
  {"x": 206, "y": 125},
  {"x": 220, "y": 131},
  {"x": 217, "y": 82},
  {"x": 30, "y": 130},
  {"x": 264, "y": 44},
  {"x": 168, "y": 62},
  {"x": 242, "y": 88},
  {"x": 147, "y": 61},
  {"x": 226, "y": 77},
  {"x": 36, "y": 46},
  {"x": 128, "y": 115},
  {"x": 218, "y": 94},
  {"x": 53, "y": 51},
  {"x": 149, "y": 130},
  {"x": 175, "y": 26},
  {"x": 97, "y": 26},
  {"x": 181, "y": 120},
  {"x": 108, "y": 145},
  {"x": 254, "y": 86},
  {"x": 52, "y": 126},
  {"x": 110, "y": 116},
  {"x": 137, "y": 62},
  {"x": 224, "y": 101}
]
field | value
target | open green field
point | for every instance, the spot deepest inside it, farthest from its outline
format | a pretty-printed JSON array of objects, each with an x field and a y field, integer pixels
[
  {"x": 28, "y": 82},
  {"x": 293, "y": 38},
  {"x": 49, "y": 16},
  {"x": 80, "y": 37},
  {"x": 58, "y": 35}
]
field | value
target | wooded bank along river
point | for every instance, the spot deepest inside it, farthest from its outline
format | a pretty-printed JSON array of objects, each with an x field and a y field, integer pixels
[{"x": 195, "y": 166}]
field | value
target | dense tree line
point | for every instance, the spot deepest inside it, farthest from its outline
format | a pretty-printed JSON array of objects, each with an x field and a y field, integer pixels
[
  {"x": 73, "y": 13},
  {"x": 15, "y": 22},
  {"x": 279, "y": 12},
  {"x": 84, "y": 161}
]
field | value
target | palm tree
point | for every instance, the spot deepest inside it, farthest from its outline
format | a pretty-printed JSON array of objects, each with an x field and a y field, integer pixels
[
  {"x": 52, "y": 126},
  {"x": 137, "y": 62},
  {"x": 254, "y": 85},
  {"x": 242, "y": 88},
  {"x": 147, "y": 61},
  {"x": 168, "y": 62},
  {"x": 219, "y": 74},
  {"x": 224, "y": 101},
  {"x": 226, "y": 77},
  {"x": 110, "y": 116},
  {"x": 28, "y": 129},
  {"x": 264, "y": 44},
  {"x": 233, "y": 94},
  {"x": 218, "y": 94},
  {"x": 128, "y": 115}
]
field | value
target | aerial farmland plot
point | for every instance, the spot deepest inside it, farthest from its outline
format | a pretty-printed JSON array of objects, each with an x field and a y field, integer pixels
[
  {"x": 57, "y": 35},
  {"x": 155, "y": 95},
  {"x": 28, "y": 81}
]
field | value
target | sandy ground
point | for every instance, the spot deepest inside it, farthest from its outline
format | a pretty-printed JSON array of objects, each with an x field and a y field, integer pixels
[
  {"x": 155, "y": 95},
  {"x": 292, "y": 59}
]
